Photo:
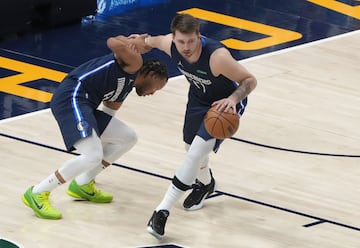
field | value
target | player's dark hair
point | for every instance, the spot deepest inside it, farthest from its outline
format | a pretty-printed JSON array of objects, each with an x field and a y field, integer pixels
[
  {"x": 159, "y": 69},
  {"x": 185, "y": 23}
]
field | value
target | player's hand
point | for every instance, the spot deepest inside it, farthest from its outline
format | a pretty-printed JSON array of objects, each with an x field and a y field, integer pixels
[
  {"x": 133, "y": 48},
  {"x": 225, "y": 105},
  {"x": 138, "y": 40}
]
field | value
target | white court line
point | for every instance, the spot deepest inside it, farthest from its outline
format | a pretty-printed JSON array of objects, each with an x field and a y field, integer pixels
[
  {"x": 285, "y": 50},
  {"x": 24, "y": 116}
]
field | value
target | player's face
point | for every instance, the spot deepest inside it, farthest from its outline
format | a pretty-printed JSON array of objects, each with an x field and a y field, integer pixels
[
  {"x": 148, "y": 85},
  {"x": 187, "y": 44}
]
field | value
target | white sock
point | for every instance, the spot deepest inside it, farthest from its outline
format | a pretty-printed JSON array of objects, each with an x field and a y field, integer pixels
[
  {"x": 172, "y": 195},
  {"x": 204, "y": 175},
  {"x": 47, "y": 185}
]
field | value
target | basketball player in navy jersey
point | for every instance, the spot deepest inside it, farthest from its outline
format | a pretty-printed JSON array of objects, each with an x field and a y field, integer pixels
[
  {"x": 99, "y": 137},
  {"x": 215, "y": 78}
]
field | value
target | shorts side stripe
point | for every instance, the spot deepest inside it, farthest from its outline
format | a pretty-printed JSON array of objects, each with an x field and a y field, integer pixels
[{"x": 76, "y": 109}]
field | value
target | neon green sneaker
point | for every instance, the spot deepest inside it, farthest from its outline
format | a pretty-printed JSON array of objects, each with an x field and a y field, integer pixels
[
  {"x": 88, "y": 192},
  {"x": 40, "y": 204}
]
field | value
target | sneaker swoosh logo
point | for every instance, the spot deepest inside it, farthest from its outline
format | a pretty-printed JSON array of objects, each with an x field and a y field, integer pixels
[
  {"x": 89, "y": 194},
  {"x": 36, "y": 204}
]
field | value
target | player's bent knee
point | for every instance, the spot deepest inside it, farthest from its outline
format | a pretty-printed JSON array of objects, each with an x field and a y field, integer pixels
[
  {"x": 94, "y": 158},
  {"x": 131, "y": 138}
]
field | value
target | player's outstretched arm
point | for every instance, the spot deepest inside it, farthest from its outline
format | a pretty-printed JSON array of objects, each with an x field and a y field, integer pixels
[
  {"x": 144, "y": 42},
  {"x": 126, "y": 54}
]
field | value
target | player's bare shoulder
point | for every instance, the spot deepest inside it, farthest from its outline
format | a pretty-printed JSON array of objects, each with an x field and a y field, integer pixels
[{"x": 220, "y": 59}]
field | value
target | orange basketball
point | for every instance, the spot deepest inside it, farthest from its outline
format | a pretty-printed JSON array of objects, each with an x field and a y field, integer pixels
[{"x": 221, "y": 125}]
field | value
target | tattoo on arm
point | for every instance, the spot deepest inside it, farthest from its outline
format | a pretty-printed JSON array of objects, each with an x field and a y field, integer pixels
[{"x": 243, "y": 90}]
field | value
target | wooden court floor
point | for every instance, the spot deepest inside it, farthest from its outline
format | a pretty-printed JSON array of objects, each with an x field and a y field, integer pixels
[{"x": 288, "y": 178}]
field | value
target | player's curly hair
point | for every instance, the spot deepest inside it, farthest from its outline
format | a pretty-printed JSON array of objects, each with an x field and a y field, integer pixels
[{"x": 159, "y": 69}]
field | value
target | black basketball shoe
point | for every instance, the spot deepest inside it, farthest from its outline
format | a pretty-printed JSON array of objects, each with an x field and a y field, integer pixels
[
  {"x": 156, "y": 224},
  {"x": 195, "y": 199}
]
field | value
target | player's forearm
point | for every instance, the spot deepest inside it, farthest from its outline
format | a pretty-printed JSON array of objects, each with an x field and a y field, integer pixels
[
  {"x": 244, "y": 89},
  {"x": 117, "y": 41},
  {"x": 153, "y": 41},
  {"x": 161, "y": 42},
  {"x": 110, "y": 107}
]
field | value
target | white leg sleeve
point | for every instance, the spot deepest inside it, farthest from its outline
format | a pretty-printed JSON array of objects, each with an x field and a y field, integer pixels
[
  {"x": 196, "y": 156},
  {"x": 117, "y": 139},
  {"x": 204, "y": 172},
  {"x": 91, "y": 155}
]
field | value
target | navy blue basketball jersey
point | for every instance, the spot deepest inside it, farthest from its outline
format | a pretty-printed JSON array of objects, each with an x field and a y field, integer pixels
[
  {"x": 204, "y": 86},
  {"x": 74, "y": 103},
  {"x": 101, "y": 79}
]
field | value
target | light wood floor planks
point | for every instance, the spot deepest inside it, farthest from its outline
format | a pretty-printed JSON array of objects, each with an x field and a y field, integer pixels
[{"x": 280, "y": 190}]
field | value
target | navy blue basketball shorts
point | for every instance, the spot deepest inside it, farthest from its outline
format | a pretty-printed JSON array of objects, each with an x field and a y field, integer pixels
[
  {"x": 78, "y": 120},
  {"x": 194, "y": 122}
]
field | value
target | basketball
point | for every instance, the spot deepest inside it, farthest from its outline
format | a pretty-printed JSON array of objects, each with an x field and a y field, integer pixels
[{"x": 221, "y": 125}]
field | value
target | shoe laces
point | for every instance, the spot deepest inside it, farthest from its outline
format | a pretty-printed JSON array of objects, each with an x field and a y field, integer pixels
[
  {"x": 162, "y": 216},
  {"x": 198, "y": 186},
  {"x": 92, "y": 187},
  {"x": 44, "y": 199}
]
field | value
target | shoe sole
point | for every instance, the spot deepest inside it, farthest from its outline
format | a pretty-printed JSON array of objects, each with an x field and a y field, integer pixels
[
  {"x": 153, "y": 233},
  {"x": 198, "y": 206},
  {"x": 72, "y": 194},
  {"x": 26, "y": 202}
]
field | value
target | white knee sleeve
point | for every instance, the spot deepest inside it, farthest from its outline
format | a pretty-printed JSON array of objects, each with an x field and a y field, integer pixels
[
  {"x": 91, "y": 155},
  {"x": 117, "y": 139}
]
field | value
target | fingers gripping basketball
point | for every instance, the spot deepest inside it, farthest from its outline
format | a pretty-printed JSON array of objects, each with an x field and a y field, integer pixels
[{"x": 221, "y": 125}]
